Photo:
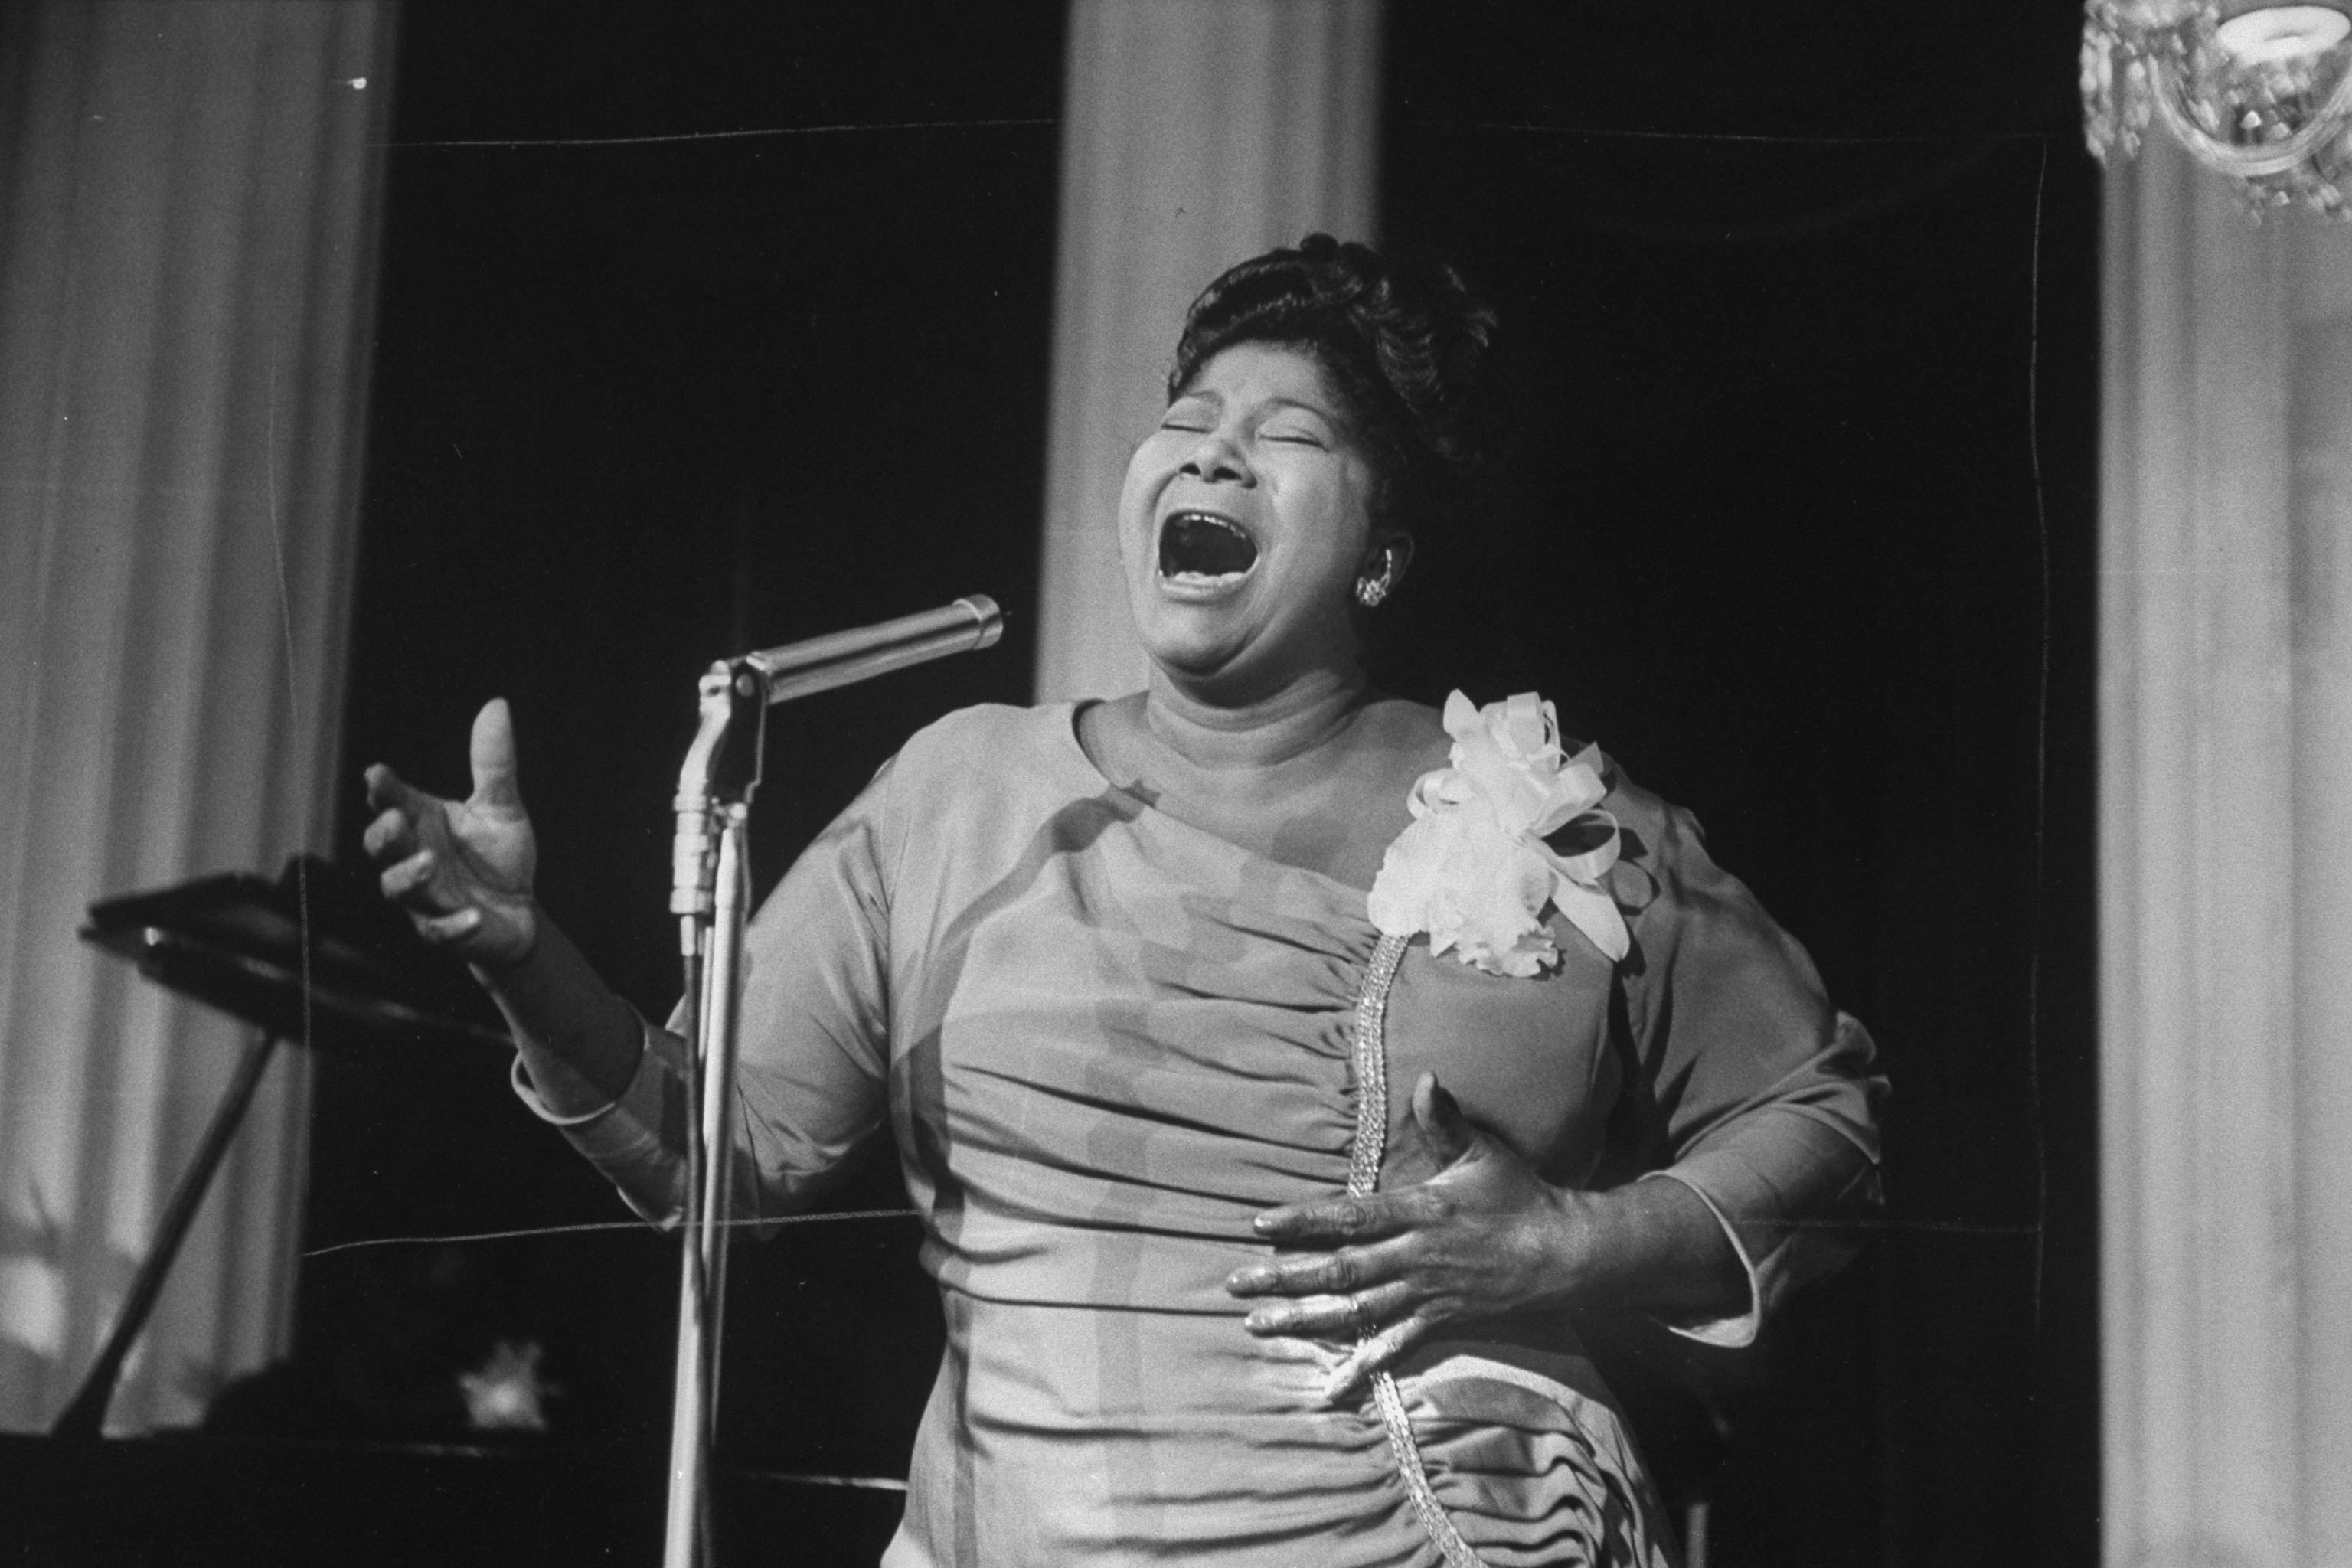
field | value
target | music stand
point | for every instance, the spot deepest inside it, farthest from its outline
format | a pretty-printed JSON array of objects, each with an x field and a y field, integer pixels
[{"x": 315, "y": 957}]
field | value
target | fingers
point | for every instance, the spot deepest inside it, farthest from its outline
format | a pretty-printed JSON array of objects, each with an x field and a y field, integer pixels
[
  {"x": 404, "y": 880},
  {"x": 1333, "y": 1317},
  {"x": 387, "y": 791},
  {"x": 1376, "y": 1353},
  {"x": 1448, "y": 1131},
  {"x": 1330, "y": 1221},
  {"x": 1321, "y": 1273},
  {"x": 401, "y": 810},
  {"x": 448, "y": 928},
  {"x": 491, "y": 752},
  {"x": 1352, "y": 1294},
  {"x": 409, "y": 883},
  {"x": 383, "y": 786},
  {"x": 388, "y": 837}
]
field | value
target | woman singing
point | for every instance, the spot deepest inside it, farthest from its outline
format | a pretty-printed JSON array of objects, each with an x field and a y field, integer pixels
[{"x": 1133, "y": 981}]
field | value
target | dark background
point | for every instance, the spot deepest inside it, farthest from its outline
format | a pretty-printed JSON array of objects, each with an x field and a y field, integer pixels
[{"x": 1799, "y": 300}]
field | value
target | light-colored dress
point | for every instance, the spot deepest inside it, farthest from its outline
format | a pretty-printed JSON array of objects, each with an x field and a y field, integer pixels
[{"x": 1105, "y": 1039}]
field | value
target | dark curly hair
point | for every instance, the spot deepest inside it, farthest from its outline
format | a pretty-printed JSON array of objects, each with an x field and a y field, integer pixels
[{"x": 1403, "y": 347}]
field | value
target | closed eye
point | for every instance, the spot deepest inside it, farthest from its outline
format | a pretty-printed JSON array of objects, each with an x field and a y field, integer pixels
[{"x": 1194, "y": 414}]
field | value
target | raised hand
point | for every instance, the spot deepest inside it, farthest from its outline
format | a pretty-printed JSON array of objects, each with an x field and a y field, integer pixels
[
  {"x": 462, "y": 869},
  {"x": 1485, "y": 1235}
]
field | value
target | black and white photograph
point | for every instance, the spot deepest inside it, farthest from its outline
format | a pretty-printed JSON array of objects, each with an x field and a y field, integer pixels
[{"x": 1388, "y": 783}]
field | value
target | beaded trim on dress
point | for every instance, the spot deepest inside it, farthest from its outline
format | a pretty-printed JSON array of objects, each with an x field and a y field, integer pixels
[{"x": 1363, "y": 1177}]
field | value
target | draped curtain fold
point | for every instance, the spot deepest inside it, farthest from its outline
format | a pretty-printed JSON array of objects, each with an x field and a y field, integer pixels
[
  {"x": 1194, "y": 133},
  {"x": 2226, "y": 877},
  {"x": 188, "y": 203}
]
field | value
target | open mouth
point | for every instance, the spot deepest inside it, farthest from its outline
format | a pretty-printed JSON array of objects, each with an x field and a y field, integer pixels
[{"x": 1199, "y": 547}]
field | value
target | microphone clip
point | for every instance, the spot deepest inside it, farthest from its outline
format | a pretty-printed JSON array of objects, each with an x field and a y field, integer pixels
[{"x": 721, "y": 773}]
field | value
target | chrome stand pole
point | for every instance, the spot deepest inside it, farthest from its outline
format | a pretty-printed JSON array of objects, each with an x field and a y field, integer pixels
[{"x": 710, "y": 894}]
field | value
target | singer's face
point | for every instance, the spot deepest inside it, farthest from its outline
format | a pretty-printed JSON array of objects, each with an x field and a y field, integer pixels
[{"x": 1246, "y": 520}]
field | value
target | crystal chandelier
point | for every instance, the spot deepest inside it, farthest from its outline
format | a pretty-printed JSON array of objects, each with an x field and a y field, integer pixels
[{"x": 2260, "y": 92}]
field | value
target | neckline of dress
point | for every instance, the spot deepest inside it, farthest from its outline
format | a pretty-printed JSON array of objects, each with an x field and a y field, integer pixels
[{"x": 1067, "y": 730}]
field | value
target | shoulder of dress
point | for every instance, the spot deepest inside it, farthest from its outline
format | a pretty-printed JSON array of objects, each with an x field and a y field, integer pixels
[
  {"x": 990, "y": 741},
  {"x": 948, "y": 739},
  {"x": 1627, "y": 800},
  {"x": 972, "y": 782},
  {"x": 1658, "y": 832}
]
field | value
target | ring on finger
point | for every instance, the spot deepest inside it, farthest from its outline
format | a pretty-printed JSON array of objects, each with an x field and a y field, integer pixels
[{"x": 1359, "y": 1313}]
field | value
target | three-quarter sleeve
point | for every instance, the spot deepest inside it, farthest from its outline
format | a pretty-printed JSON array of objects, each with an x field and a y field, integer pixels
[
  {"x": 1747, "y": 1086},
  {"x": 813, "y": 1052}
]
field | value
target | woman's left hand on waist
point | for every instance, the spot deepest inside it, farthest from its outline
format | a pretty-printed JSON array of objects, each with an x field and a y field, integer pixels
[{"x": 1484, "y": 1236}]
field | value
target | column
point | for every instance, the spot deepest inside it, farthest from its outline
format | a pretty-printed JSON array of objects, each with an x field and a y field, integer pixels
[
  {"x": 2226, "y": 851},
  {"x": 1195, "y": 132},
  {"x": 2320, "y": 570}
]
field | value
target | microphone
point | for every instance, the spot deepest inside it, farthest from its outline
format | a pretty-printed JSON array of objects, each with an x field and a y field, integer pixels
[
  {"x": 722, "y": 766},
  {"x": 843, "y": 659}
]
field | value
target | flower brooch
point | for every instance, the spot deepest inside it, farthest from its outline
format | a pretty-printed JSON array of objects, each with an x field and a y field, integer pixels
[{"x": 1512, "y": 825}]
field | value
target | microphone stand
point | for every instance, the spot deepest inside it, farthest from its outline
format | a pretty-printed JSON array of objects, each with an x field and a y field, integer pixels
[
  {"x": 710, "y": 896},
  {"x": 708, "y": 893}
]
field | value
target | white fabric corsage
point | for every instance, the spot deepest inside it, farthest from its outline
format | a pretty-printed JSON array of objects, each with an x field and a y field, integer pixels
[{"x": 1474, "y": 868}]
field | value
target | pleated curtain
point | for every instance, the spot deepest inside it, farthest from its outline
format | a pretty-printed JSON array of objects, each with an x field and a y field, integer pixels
[
  {"x": 2226, "y": 877},
  {"x": 188, "y": 203},
  {"x": 1194, "y": 133}
]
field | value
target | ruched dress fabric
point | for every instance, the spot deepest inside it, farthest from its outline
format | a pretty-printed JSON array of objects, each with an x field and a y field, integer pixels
[{"x": 1105, "y": 1039}]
